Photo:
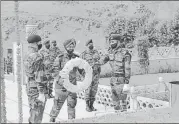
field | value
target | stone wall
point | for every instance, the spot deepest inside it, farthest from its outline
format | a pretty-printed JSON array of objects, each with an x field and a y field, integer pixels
[{"x": 104, "y": 96}]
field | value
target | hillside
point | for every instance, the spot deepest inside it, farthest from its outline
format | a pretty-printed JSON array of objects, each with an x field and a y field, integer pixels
[{"x": 64, "y": 19}]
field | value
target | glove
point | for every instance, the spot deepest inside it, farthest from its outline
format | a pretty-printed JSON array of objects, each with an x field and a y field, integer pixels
[
  {"x": 126, "y": 88},
  {"x": 41, "y": 97}
]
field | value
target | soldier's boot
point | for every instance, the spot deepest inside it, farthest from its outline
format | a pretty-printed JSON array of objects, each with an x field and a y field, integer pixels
[
  {"x": 92, "y": 107},
  {"x": 88, "y": 108},
  {"x": 52, "y": 119},
  {"x": 29, "y": 121}
]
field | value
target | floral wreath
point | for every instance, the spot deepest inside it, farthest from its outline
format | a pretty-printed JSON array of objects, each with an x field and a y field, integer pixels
[{"x": 81, "y": 64}]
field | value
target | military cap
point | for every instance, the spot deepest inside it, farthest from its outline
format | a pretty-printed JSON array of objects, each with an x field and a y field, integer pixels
[
  {"x": 115, "y": 37},
  {"x": 68, "y": 42},
  {"x": 89, "y": 41},
  {"x": 33, "y": 38},
  {"x": 176, "y": 27}
]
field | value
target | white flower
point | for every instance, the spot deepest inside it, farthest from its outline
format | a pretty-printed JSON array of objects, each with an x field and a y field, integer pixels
[{"x": 81, "y": 86}]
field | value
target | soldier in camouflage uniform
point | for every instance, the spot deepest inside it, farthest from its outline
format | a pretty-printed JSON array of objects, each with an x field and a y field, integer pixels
[
  {"x": 48, "y": 62},
  {"x": 9, "y": 64},
  {"x": 119, "y": 60},
  {"x": 92, "y": 56},
  {"x": 61, "y": 94},
  {"x": 54, "y": 50},
  {"x": 35, "y": 86}
]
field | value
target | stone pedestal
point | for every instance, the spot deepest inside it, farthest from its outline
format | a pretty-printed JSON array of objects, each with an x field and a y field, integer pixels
[
  {"x": 133, "y": 101},
  {"x": 174, "y": 96}
]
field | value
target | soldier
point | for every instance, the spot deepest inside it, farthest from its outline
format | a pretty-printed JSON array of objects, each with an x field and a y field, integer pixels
[
  {"x": 61, "y": 94},
  {"x": 92, "y": 56},
  {"x": 54, "y": 50},
  {"x": 119, "y": 60},
  {"x": 35, "y": 87},
  {"x": 45, "y": 51},
  {"x": 9, "y": 64}
]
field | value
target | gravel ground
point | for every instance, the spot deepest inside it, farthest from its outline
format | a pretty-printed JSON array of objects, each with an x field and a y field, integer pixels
[{"x": 151, "y": 116}]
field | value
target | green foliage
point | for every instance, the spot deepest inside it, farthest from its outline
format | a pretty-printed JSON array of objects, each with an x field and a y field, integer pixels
[{"x": 159, "y": 32}]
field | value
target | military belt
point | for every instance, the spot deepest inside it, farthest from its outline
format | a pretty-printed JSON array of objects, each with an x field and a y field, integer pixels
[{"x": 118, "y": 75}]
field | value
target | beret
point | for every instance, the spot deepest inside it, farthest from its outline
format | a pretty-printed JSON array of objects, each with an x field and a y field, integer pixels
[
  {"x": 89, "y": 41},
  {"x": 115, "y": 37},
  {"x": 176, "y": 27},
  {"x": 33, "y": 38},
  {"x": 68, "y": 42}
]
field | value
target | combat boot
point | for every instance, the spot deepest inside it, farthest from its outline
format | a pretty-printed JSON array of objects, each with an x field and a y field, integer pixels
[
  {"x": 92, "y": 107},
  {"x": 29, "y": 121},
  {"x": 88, "y": 108},
  {"x": 52, "y": 119}
]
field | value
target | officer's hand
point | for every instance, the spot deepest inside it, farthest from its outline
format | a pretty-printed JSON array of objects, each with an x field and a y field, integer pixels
[
  {"x": 41, "y": 97},
  {"x": 126, "y": 88}
]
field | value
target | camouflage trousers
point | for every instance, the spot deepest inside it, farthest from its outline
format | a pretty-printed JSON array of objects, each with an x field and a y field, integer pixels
[
  {"x": 90, "y": 93},
  {"x": 61, "y": 94},
  {"x": 118, "y": 97},
  {"x": 36, "y": 107},
  {"x": 49, "y": 81}
]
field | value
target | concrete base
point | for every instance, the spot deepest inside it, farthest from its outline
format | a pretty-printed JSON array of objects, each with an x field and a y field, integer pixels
[{"x": 174, "y": 97}]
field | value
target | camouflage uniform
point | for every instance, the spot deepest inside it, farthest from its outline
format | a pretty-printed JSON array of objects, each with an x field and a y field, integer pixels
[
  {"x": 61, "y": 94},
  {"x": 33, "y": 65},
  {"x": 48, "y": 66},
  {"x": 54, "y": 52},
  {"x": 119, "y": 60},
  {"x": 92, "y": 57},
  {"x": 9, "y": 64}
]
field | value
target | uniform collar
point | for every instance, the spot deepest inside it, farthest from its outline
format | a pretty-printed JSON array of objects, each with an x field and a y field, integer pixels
[{"x": 90, "y": 51}]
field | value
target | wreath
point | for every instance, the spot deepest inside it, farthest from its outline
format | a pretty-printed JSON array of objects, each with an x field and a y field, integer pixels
[{"x": 81, "y": 85}]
